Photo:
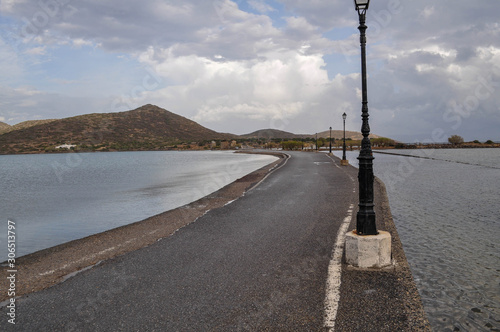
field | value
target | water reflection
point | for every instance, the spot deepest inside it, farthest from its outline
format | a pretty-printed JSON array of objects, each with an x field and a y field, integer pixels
[{"x": 58, "y": 198}]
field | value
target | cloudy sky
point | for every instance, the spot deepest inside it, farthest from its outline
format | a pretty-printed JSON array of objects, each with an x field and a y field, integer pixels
[{"x": 238, "y": 66}]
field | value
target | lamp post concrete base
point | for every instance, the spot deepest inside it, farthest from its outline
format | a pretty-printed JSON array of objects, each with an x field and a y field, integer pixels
[
  {"x": 344, "y": 162},
  {"x": 368, "y": 251}
]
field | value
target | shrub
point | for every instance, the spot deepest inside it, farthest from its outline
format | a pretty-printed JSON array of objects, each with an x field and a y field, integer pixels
[{"x": 455, "y": 139}]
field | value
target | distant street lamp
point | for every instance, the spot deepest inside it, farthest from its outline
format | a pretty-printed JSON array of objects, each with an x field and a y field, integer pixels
[
  {"x": 316, "y": 141},
  {"x": 344, "y": 160},
  {"x": 330, "y": 140},
  {"x": 365, "y": 219}
]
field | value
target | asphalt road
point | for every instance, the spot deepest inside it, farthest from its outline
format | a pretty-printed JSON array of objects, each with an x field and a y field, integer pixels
[{"x": 259, "y": 263}]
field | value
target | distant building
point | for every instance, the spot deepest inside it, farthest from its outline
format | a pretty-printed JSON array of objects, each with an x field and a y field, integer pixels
[{"x": 65, "y": 146}]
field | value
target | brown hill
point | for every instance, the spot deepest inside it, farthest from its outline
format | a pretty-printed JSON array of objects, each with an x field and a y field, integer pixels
[{"x": 146, "y": 128}]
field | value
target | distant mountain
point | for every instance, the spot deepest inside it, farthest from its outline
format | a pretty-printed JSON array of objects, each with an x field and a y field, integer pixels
[
  {"x": 4, "y": 127},
  {"x": 147, "y": 127},
  {"x": 272, "y": 133},
  {"x": 339, "y": 134},
  {"x": 30, "y": 123}
]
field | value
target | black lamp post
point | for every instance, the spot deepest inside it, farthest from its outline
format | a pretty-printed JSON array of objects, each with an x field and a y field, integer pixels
[
  {"x": 316, "y": 141},
  {"x": 344, "y": 116},
  {"x": 330, "y": 140},
  {"x": 365, "y": 219}
]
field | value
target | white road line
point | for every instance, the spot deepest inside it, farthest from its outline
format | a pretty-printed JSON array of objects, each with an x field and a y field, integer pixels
[
  {"x": 332, "y": 297},
  {"x": 274, "y": 169},
  {"x": 336, "y": 165}
]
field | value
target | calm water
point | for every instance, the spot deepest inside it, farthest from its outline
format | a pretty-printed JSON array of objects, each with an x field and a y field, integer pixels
[
  {"x": 446, "y": 210},
  {"x": 57, "y": 198}
]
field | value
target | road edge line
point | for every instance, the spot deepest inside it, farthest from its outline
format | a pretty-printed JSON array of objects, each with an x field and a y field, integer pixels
[{"x": 333, "y": 280}]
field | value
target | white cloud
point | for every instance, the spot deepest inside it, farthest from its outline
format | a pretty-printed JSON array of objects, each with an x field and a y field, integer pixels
[
  {"x": 168, "y": 11},
  {"x": 254, "y": 111},
  {"x": 79, "y": 42},
  {"x": 6, "y": 5},
  {"x": 324, "y": 14},
  {"x": 278, "y": 86},
  {"x": 27, "y": 103},
  {"x": 10, "y": 65},
  {"x": 41, "y": 50},
  {"x": 427, "y": 12},
  {"x": 261, "y": 6}
]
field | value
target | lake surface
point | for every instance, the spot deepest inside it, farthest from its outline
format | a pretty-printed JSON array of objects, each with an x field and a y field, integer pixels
[
  {"x": 447, "y": 213},
  {"x": 57, "y": 198}
]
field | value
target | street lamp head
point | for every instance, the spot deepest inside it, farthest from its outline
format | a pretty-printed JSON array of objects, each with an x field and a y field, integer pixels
[
  {"x": 330, "y": 128},
  {"x": 344, "y": 116},
  {"x": 361, "y": 5}
]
